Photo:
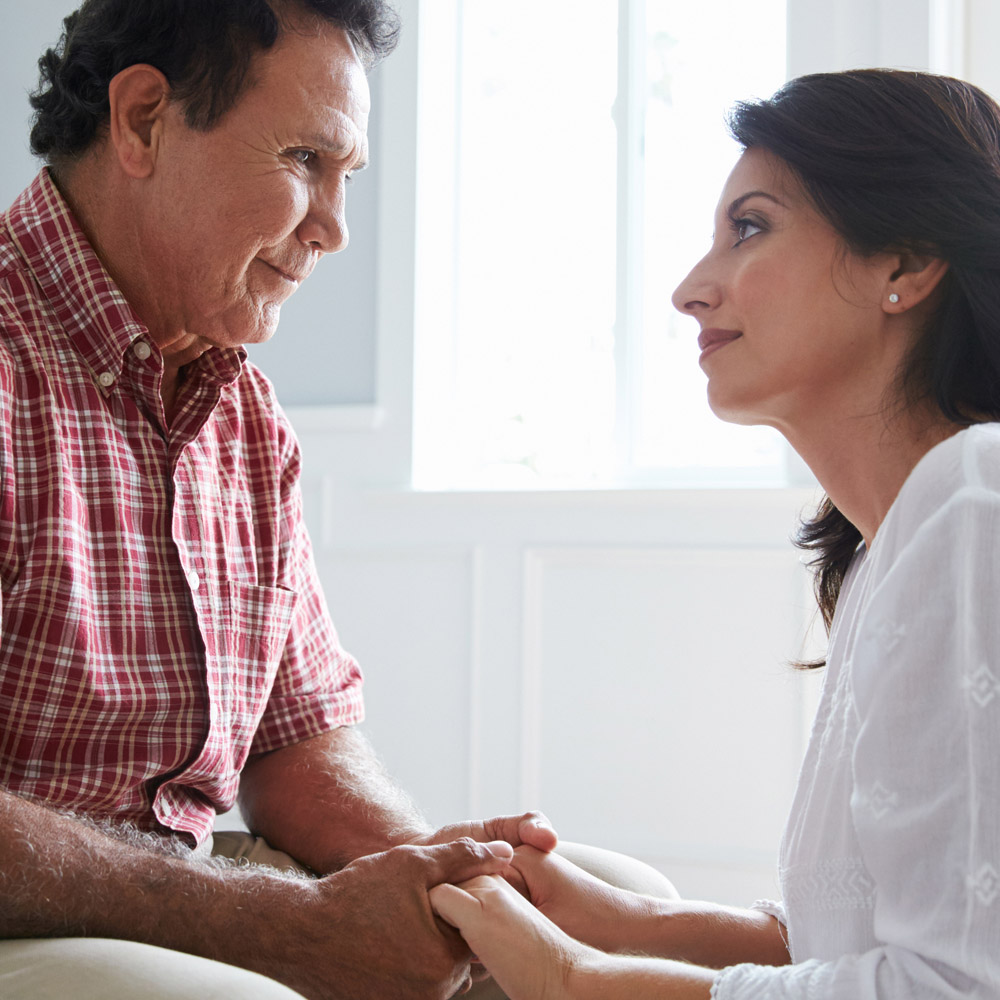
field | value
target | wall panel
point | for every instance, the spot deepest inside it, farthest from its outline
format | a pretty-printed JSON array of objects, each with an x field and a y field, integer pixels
[{"x": 662, "y": 718}]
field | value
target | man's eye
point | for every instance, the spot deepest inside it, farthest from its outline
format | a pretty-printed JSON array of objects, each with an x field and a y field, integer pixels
[{"x": 302, "y": 155}]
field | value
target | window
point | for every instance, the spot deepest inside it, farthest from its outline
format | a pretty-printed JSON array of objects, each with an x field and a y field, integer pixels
[{"x": 571, "y": 157}]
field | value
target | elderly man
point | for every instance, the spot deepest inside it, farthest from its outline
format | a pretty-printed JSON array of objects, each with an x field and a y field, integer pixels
[{"x": 164, "y": 641}]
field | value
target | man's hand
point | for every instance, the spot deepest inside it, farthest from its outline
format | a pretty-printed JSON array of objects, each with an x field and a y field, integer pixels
[
  {"x": 368, "y": 931},
  {"x": 530, "y": 829}
]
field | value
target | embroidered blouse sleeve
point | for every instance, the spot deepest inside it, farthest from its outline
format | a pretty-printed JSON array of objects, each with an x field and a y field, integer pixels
[{"x": 926, "y": 765}]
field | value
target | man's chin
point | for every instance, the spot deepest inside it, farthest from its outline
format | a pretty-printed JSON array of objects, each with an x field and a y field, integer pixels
[{"x": 261, "y": 328}]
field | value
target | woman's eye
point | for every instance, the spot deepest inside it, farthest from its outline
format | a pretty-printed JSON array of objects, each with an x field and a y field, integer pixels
[{"x": 745, "y": 229}]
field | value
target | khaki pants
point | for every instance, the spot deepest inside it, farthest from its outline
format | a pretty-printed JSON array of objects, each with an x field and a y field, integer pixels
[{"x": 100, "y": 969}]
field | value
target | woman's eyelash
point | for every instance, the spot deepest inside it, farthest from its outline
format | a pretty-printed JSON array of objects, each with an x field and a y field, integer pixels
[{"x": 739, "y": 226}]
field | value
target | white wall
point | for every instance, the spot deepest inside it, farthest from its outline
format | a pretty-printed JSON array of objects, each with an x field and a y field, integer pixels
[{"x": 619, "y": 660}]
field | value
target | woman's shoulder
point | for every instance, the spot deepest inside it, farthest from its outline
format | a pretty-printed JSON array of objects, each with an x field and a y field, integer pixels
[
  {"x": 980, "y": 456},
  {"x": 968, "y": 460},
  {"x": 962, "y": 472}
]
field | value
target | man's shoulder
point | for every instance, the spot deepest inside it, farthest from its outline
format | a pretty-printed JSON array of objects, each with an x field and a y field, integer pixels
[
  {"x": 19, "y": 302},
  {"x": 11, "y": 261},
  {"x": 256, "y": 393},
  {"x": 12, "y": 271},
  {"x": 262, "y": 415}
]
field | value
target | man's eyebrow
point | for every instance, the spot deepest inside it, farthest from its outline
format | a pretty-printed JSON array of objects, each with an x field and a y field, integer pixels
[
  {"x": 337, "y": 147},
  {"x": 737, "y": 203}
]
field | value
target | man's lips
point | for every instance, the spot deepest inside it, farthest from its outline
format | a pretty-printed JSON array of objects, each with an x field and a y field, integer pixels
[
  {"x": 289, "y": 274},
  {"x": 712, "y": 339}
]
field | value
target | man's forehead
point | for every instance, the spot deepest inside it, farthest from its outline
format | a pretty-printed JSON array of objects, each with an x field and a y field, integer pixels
[{"x": 312, "y": 83}]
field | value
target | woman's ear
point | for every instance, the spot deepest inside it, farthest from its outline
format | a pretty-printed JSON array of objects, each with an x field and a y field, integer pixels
[
  {"x": 913, "y": 281},
  {"x": 138, "y": 96}
]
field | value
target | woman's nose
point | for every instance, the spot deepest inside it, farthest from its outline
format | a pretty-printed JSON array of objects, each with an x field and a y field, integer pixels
[{"x": 697, "y": 291}]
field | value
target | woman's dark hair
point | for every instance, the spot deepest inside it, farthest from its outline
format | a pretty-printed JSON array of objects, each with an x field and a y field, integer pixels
[
  {"x": 203, "y": 47},
  {"x": 900, "y": 162}
]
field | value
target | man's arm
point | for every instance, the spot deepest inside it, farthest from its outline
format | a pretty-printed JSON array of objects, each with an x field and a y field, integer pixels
[
  {"x": 329, "y": 800},
  {"x": 366, "y": 932}
]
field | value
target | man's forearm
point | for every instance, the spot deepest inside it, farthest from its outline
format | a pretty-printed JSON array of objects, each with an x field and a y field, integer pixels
[
  {"x": 327, "y": 801},
  {"x": 59, "y": 876},
  {"x": 366, "y": 932}
]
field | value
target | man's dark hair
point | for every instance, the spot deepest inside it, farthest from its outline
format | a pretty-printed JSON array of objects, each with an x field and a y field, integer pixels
[{"x": 203, "y": 47}]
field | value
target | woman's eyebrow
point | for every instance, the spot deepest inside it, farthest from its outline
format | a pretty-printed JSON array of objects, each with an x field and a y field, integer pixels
[{"x": 737, "y": 203}]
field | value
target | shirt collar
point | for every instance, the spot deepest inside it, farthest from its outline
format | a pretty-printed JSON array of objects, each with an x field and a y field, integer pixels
[{"x": 92, "y": 309}]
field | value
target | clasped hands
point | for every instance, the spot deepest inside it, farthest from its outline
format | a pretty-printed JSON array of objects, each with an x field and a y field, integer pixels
[
  {"x": 418, "y": 912},
  {"x": 558, "y": 919}
]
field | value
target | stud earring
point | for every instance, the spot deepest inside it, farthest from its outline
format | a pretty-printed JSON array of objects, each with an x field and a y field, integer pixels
[{"x": 893, "y": 298}]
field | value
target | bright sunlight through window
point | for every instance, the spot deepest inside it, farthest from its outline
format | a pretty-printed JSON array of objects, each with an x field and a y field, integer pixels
[{"x": 573, "y": 154}]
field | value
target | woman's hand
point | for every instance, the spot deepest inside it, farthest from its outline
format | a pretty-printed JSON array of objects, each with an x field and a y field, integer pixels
[
  {"x": 532, "y": 959},
  {"x": 526, "y": 953},
  {"x": 585, "y": 907}
]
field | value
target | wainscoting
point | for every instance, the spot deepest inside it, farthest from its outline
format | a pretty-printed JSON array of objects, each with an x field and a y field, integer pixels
[{"x": 617, "y": 659}]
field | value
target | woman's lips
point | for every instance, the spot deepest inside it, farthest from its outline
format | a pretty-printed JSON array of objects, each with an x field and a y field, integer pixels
[{"x": 712, "y": 339}]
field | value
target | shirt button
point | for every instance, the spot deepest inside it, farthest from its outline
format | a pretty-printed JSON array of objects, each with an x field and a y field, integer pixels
[
  {"x": 142, "y": 350},
  {"x": 106, "y": 379},
  {"x": 194, "y": 581}
]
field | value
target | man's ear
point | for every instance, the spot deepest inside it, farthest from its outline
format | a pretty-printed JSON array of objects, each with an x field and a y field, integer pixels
[
  {"x": 139, "y": 96},
  {"x": 913, "y": 281}
]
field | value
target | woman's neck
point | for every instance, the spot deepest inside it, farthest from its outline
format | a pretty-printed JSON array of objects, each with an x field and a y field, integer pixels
[{"x": 862, "y": 462}]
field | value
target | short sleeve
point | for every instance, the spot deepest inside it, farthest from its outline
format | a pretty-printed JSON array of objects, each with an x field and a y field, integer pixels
[{"x": 318, "y": 686}]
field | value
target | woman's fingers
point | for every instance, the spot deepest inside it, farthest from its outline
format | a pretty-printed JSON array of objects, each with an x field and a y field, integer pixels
[{"x": 453, "y": 905}]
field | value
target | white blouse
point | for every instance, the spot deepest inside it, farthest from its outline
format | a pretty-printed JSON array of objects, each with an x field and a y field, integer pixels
[{"x": 890, "y": 862}]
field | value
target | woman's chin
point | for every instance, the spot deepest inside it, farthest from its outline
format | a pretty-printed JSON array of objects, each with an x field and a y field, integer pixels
[{"x": 733, "y": 413}]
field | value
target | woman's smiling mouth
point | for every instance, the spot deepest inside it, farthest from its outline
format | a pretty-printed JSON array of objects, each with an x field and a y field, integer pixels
[{"x": 712, "y": 339}]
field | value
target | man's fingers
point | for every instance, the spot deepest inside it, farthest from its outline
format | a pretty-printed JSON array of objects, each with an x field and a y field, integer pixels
[{"x": 466, "y": 858}]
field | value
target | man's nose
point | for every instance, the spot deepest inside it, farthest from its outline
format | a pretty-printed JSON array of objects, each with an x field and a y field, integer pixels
[{"x": 325, "y": 224}]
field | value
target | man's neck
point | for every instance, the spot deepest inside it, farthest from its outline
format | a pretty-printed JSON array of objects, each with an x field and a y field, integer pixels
[{"x": 112, "y": 228}]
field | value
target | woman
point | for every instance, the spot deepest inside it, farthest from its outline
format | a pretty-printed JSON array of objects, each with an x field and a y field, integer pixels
[{"x": 851, "y": 298}]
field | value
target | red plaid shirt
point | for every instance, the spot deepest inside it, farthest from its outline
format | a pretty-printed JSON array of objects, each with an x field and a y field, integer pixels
[{"x": 161, "y": 615}]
